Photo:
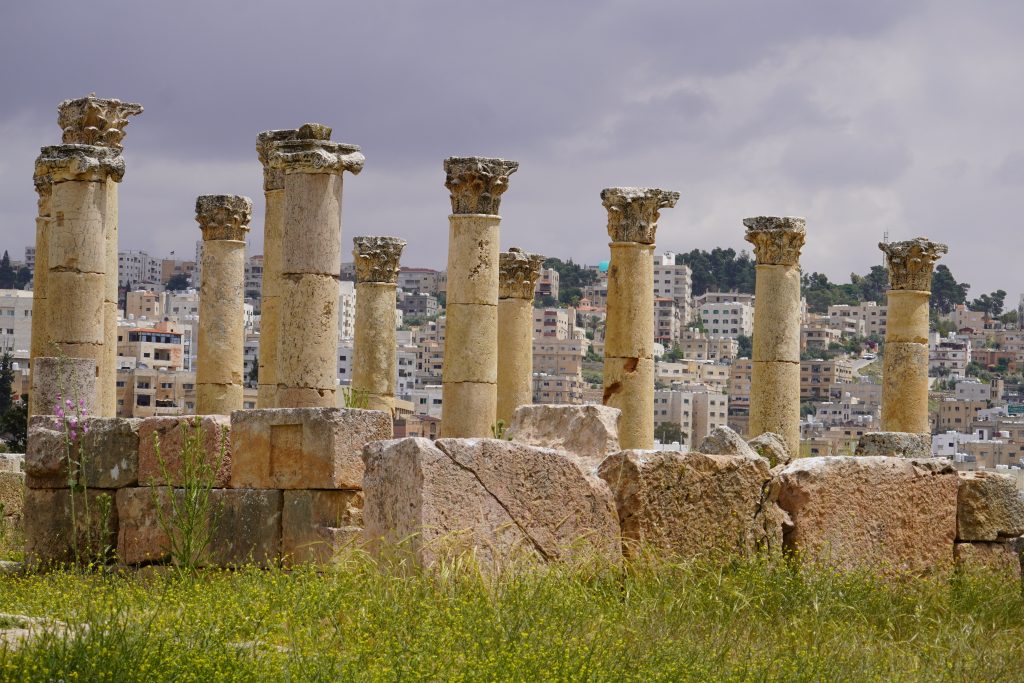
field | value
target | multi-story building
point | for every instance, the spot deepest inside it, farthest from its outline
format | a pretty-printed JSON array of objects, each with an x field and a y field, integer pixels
[
  {"x": 142, "y": 304},
  {"x": 15, "y": 320},
  {"x": 418, "y": 304},
  {"x": 555, "y": 356},
  {"x": 948, "y": 356},
  {"x": 169, "y": 267},
  {"x": 426, "y": 400},
  {"x": 547, "y": 284},
  {"x": 696, "y": 408},
  {"x": 963, "y": 318},
  {"x": 721, "y": 298},
  {"x": 731, "y": 319},
  {"x": 139, "y": 270},
  {"x": 146, "y": 392},
  {"x": 422, "y": 280},
  {"x": 817, "y": 439},
  {"x": 30, "y": 260},
  {"x": 674, "y": 282},
  {"x": 559, "y": 389},
  {"x": 181, "y": 306},
  {"x": 740, "y": 373},
  {"x": 974, "y": 390},
  {"x": 668, "y": 323},
  {"x": 699, "y": 345},
  {"x": 848, "y": 410},
  {"x": 870, "y": 313},
  {"x": 958, "y": 415},
  {"x": 157, "y": 347},
  {"x": 347, "y": 310},
  {"x": 818, "y": 337},
  {"x": 254, "y": 279},
  {"x": 597, "y": 293},
  {"x": 559, "y": 323},
  {"x": 818, "y": 378}
]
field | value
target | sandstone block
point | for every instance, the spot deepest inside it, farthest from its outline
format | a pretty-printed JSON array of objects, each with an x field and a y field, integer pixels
[
  {"x": 691, "y": 504},
  {"x": 771, "y": 446},
  {"x": 588, "y": 431},
  {"x": 889, "y": 514},
  {"x": 900, "y": 444},
  {"x": 107, "y": 454},
  {"x": 999, "y": 557},
  {"x": 141, "y": 538},
  {"x": 724, "y": 441},
  {"x": 303, "y": 448},
  {"x": 497, "y": 499},
  {"x": 171, "y": 433},
  {"x": 989, "y": 507},
  {"x": 315, "y": 525},
  {"x": 12, "y": 493},
  {"x": 72, "y": 378},
  {"x": 50, "y": 534}
]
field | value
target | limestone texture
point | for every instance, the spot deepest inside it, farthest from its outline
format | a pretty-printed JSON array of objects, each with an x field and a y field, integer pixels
[
  {"x": 630, "y": 301},
  {"x": 777, "y": 409},
  {"x": 68, "y": 378},
  {"x": 12, "y": 494},
  {"x": 308, "y": 341},
  {"x": 907, "y": 316},
  {"x": 1004, "y": 558},
  {"x": 476, "y": 184},
  {"x": 724, "y": 441},
  {"x": 515, "y": 356},
  {"x": 777, "y": 333},
  {"x": 629, "y": 387},
  {"x": 589, "y": 432},
  {"x": 900, "y": 444},
  {"x": 316, "y": 525},
  {"x": 49, "y": 529},
  {"x": 303, "y": 448},
  {"x": 312, "y": 214},
  {"x": 905, "y": 388},
  {"x": 471, "y": 331},
  {"x": 911, "y": 263},
  {"x": 374, "y": 363},
  {"x": 470, "y": 407},
  {"x": 771, "y": 447},
  {"x": 693, "y": 504},
  {"x": 171, "y": 433},
  {"x": 887, "y": 514},
  {"x": 989, "y": 507},
  {"x": 141, "y": 537},
  {"x": 500, "y": 501},
  {"x": 107, "y": 456}
]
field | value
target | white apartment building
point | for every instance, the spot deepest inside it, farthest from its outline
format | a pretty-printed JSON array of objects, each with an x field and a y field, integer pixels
[
  {"x": 721, "y": 298},
  {"x": 730, "y": 319},
  {"x": 426, "y": 400},
  {"x": 674, "y": 282},
  {"x": 973, "y": 390},
  {"x": 426, "y": 280},
  {"x": 668, "y": 321},
  {"x": 872, "y": 315},
  {"x": 696, "y": 408},
  {"x": 139, "y": 270},
  {"x": 948, "y": 356},
  {"x": 254, "y": 277},
  {"x": 559, "y": 323},
  {"x": 15, "y": 320},
  {"x": 347, "y": 310}
]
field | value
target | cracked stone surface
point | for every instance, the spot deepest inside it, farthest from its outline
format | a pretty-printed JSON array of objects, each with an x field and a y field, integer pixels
[
  {"x": 588, "y": 431},
  {"x": 500, "y": 500},
  {"x": 724, "y": 441},
  {"x": 989, "y": 507}
]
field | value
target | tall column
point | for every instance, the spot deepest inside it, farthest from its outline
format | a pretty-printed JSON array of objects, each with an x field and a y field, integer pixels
[
  {"x": 374, "y": 365},
  {"x": 40, "y": 342},
  {"x": 101, "y": 122},
  {"x": 220, "y": 371},
  {"x": 76, "y": 279},
  {"x": 270, "y": 293},
  {"x": 518, "y": 273},
  {"x": 470, "y": 374},
  {"x": 775, "y": 379},
  {"x": 311, "y": 264},
  {"x": 633, "y": 214},
  {"x": 905, "y": 360}
]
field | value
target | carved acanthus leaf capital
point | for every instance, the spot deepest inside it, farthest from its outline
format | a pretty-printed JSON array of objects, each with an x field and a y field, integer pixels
[
  {"x": 273, "y": 179},
  {"x": 911, "y": 263},
  {"x": 223, "y": 216},
  {"x": 44, "y": 189},
  {"x": 376, "y": 258},
  {"x": 95, "y": 121},
  {"x": 312, "y": 151},
  {"x": 79, "y": 162},
  {"x": 633, "y": 212},
  {"x": 477, "y": 183},
  {"x": 777, "y": 240},
  {"x": 517, "y": 273}
]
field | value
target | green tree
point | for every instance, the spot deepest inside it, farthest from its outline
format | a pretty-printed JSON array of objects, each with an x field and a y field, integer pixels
[
  {"x": 24, "y": 277},
  {"x": 8, "y": 276},
  {"x": 990, "y": 304},
  {"x": 746, "y": 346},
  {"x": 946, "y": 291},
  {"x": 177, "y": 283},
  {"x": 6, "y": 381},
  {"x": 572, "y": 278},
  {"x": 14, "y": 425},
  {"x": 873, "y": 286},
  {"x": 669, "y": 432}
]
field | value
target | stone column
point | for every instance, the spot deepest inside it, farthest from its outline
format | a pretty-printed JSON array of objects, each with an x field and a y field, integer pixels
[
  {"x": 775, "y": 379},
  {"x": 517, "y": 277},
  {"x": 905, "y": 357},
  {"x": 40, "y": 342},
  {"x": 633, "y": 214},
  {"x": 94, "y": 121},
  {"x": 270, "y": 293},
  {"x": 374, "y": 364},
  {"x": 220, "y": 371},
  {"x": 311, "y": 264},
  {"x": 470, "y": 373}
]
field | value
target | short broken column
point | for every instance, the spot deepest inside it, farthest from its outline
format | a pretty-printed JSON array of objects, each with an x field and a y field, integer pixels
[
  {"x": 102, "y": 122},
  {"x": 633, "y": 214},
  {"x": 270, "y": 292},
  {"x": 220, "y": 369},
  {"x": 905, "y": 358},
  {"x": 517, "y": 278},
  {"x": 40, "y": 341},
  {"x": 775, "y": 380},
  {"x": 374, "y": 363},
  {"x": 470, "y": 373},
  {"x": 311, "y": 265}
]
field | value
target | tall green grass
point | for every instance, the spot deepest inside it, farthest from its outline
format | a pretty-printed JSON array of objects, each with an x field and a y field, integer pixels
[{"x": 752, "y": 620}]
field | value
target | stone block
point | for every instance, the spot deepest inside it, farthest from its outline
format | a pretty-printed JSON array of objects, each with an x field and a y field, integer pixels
[
  {"x": 724, "y": 441},
  {"x": 50, "y": 534},
  {"x": 66, "y": 378},
  {"x": 141, "y": 539},
  {"x": 999, "y": 557},
  {"x": 989, "y": 507},
  {"x": 12, "y": 462},
  {"x": 883, "y": 513},
  {"x": 771, "y": 447},
  {"x": 501, "y": 501},
  {"x": 899, "y": 444},
  {"x": 171, "y": 432},
  {"x": 107, "y": 453},
  {"x": 315, "y": 525},
  {"x": 588, "y": 431},
  {"x": 12, "y": 493},
  {"x": 303, "y": 448}
]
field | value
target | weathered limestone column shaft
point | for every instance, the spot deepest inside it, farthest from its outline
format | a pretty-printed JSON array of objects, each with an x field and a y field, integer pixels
[
  {"x": 220, "y": 371},
  {"x": 470, "y": 373},
  {"x": 775, "y": 381},
  {"x": 311, "y": 265},
  {"x": 517, "y": 277},
  {"x": 270, "y": 294},
  {"x": 905, "y": 359},
  {"x": 77, "y": 248},
  {"x": 633, "y": 214},
  {"x": 374, "y": 364},
  {"x": 40, "y": 342},
  {"x": 102, "y": 122}
]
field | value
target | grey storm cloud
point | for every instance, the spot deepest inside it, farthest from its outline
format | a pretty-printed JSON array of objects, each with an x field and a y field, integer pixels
[{"x": 852, "y": 114}]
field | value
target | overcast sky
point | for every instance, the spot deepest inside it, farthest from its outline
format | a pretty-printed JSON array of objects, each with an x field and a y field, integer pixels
[{"x": 864, "y": 117}]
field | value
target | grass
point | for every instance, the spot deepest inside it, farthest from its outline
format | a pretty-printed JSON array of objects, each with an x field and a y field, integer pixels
[{"x": 754, "y": 620}]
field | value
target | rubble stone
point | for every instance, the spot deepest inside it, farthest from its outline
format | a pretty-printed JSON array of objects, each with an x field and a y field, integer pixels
[
  {"x": 1000, "y": 557},
  {"x": 901, "y": 444},
  {"x": 588, "y": 431},
  {"x": 771, "y": 447},
  {"x": 724, "y": 441},
  {"x": 315, "y": 525},
  {"x": 170, "y": 431},
  {"x": 108, "y": 453},
  {"x": 989, "y": 507}
]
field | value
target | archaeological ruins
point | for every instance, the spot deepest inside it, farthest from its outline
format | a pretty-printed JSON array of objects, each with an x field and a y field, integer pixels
[{"x": 314, "y": 468}]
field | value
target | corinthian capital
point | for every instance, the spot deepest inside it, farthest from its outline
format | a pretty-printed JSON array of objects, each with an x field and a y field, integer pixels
[
  {"x": 377, "y": 258},
  {"x": 223, "y": 216},
  {"x": 95, "y": 121},
  {"x": 79, "y": 162},
  {"x": 911, "y": 262},
  {"x": 477, "y": 183},
  {"x": 312, "y": 151},
  {"x": 633, "y": 212},
  {"x": 517, "y": 273},
  {"x": 44, "y": 188},
  {"x": 777, "y": 240},
  {"x": 273, "y": 179}
]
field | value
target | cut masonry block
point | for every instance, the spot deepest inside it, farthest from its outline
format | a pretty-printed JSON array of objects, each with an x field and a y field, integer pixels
[
  {"x": 316, "y": 525},
  {"x": 171, "y": 432},
  {"x": 49, "y": 531},
  {"x": 107, "y": 453},
  {"x": 589, "y": 431},
  {"x": 989, "y": 507}
]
